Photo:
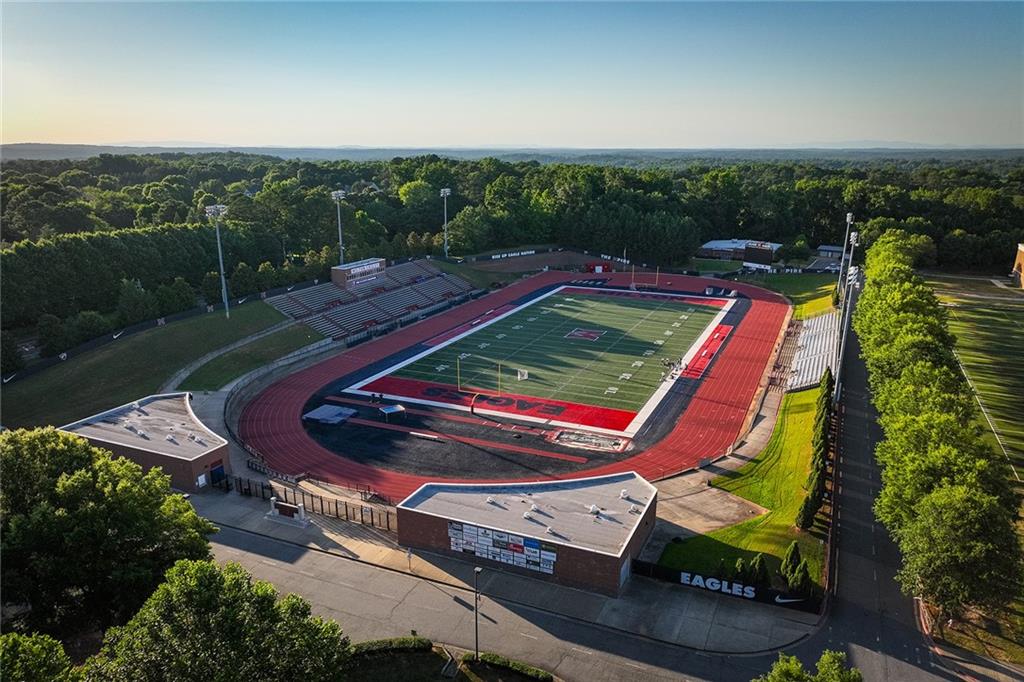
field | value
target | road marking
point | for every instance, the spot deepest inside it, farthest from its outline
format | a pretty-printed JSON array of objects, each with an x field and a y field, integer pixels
[
  {"x": 583, "y": 651},
  {"x": 875, "y": 574},
  {"x": 526, "y": 635}
]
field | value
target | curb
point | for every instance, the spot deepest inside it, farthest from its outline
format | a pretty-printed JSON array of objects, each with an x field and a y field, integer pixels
[
  {"x": 944, "y": 657},
  {"x": 608, "y": 628}
]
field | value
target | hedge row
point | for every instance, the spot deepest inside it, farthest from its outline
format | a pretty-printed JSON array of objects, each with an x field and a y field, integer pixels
[
  {"x": 508, "y": 664},
  {"x": 946, "y": 496},
  {"x": 820, "y": 445},
  {"x": 380, "y": 646}
]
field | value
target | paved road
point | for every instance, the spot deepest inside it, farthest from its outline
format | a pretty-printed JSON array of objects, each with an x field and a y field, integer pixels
[{"x": 870, "y": 619}]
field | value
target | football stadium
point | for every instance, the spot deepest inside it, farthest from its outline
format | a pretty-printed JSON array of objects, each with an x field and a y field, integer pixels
[{"x": 558, "y": 375}]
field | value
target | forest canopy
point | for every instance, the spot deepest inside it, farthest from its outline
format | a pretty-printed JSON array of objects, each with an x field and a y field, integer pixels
[{"x": 74, "y": 231}]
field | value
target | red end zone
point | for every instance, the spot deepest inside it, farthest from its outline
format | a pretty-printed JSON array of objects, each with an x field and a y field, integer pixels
[{"x": 506, "y": 403}]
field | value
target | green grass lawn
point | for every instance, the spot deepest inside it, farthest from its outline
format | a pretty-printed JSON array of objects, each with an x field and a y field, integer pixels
[
  {"x": 774, "y": 480},
  {"x": 811, "y": 293},
  {"x": 990, "y": 344},
  {"x": 616, "y": 363},
  {"x": 124, "y": 370},
  {"x": 233, "y": 364},
  {"x": 989, "y": 338},
  {"x": 481, "y": 279}
]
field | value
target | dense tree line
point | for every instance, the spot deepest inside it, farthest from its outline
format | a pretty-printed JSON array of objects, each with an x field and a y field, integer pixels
[
  {"x": 945, "y": 496},
  {"x": 86, "y": 537},
  {"x": 92, "y": 543},
  {"x": 73, "y": 230}
]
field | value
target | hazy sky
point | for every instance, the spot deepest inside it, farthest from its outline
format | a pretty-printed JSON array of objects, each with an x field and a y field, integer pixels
[{"x": 571, "y": 75}]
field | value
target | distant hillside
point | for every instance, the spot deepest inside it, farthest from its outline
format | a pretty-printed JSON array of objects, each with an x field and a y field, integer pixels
[{"x": 623, "y": 157}]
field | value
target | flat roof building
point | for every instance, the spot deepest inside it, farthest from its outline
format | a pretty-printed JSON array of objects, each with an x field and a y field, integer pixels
[
  {"x": 160, "y": 430},
  {"x": 734, "y": 249},
  {"x": 582, "y": 532}
]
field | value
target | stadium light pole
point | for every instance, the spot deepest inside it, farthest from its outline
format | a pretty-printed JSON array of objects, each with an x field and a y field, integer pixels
[
  {"x": 842, "y": 261},
  {"x": 844, "y": 326},
  {"x": 445, "y": 193},
  {"x": 338, "y": 195},
  {"x": 216, "y": 212},
  {"x": 476, "y": 611}
]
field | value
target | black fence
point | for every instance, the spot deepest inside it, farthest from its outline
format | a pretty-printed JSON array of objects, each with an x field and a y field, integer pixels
[
  {"x": 314, "y": 504},
  {"x": 730, "y": 588},
  {"x": 257, "y": 463}
]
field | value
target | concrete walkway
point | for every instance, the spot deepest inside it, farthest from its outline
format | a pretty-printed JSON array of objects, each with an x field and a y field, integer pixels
[
  {"x": 688, "y": 506},
  {"x": 652, "y": 609}
]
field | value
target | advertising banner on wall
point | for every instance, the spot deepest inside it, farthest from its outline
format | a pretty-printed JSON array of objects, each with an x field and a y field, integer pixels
[{"x": 507, "y": 548}]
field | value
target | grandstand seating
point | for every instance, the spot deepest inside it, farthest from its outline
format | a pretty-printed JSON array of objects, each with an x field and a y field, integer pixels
[
  {"x": 408, "y": 273},
  {"x": 400, "y": 301},
  {"x": 817, "y": 348},
  {"x": 312, "y": 300},
  {"x": 440, "y": 288},
  {"x": 337, "y": 312}
]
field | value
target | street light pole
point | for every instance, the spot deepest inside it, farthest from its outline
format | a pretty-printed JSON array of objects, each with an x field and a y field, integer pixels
[
  {"x": 338, "y": 195},
  {"x": 842, "y": 261},
  {"x": 216, "y": 212},
  {"x": 445, "y": 193},
  {"x": 476, "y": 611},
  {"x": 844, "y": 326}
]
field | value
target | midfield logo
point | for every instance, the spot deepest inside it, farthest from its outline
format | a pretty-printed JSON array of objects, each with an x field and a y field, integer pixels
[{"x": 588, "y": 334}]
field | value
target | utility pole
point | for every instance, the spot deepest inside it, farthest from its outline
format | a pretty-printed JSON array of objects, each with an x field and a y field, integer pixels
[
  {"x": 476, "y": 611},
  {"x": 216, "y": 212}
]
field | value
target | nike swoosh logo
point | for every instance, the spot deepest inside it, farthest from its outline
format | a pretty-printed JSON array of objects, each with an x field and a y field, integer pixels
[
  {"x": 779, "y": 599},
  {"x": 118, "y": 335},
  {"x": 290, "y": 288},
  {"x": 242, "y": 300},
  {"x": 10, "y": 377}
]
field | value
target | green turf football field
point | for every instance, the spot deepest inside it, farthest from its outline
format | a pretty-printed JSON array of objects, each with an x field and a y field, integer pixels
[
  {"x": 990, "y": 336},
  {"x": 619, "y": 346}
]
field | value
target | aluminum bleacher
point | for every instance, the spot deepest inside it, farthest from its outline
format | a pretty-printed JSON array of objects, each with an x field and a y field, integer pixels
[
  {"x": 401, "y": 301},
  {"x": 312, "y": 300},
  {"x": 439, "y": 288},
  {"x": 816, "y": 350},
  {"x": 411, "y": 272},
  {"x": 403, "y": 289}
]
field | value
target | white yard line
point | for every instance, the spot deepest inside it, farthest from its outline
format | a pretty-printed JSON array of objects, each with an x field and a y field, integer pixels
[
  {"x": 602, "y": 353},
  {"x": 634, "y": 426},
  {"x": 984, "y": 411}
]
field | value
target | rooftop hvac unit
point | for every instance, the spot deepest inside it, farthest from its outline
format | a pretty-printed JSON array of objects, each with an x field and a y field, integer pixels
[
  {"x": 490, "y": 500},
  {"x": 594, "y": 509},
  {"x": 534, "y": 507},
  {"x": 550, "y": 531},
  {"x": 526, "y": 515},
  {"x": 633, "y": 509},
  {"x": 623, "y": 494}
]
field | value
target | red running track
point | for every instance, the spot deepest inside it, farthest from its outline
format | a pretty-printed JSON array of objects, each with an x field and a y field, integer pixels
[{"x": 272, "y": 422}]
